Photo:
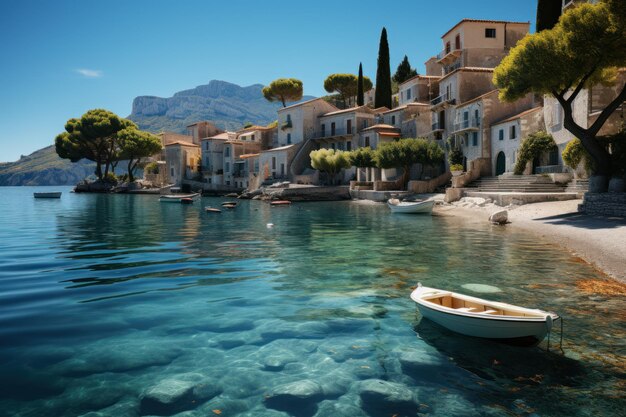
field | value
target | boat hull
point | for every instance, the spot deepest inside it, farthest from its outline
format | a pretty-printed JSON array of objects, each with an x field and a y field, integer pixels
[
  {"x": 512, "y": 323},
  {"x": 423, "y": 207},
  {"x": 178, "y": 198},
  {"x": 48, "y": 195},
  {"x": 487, "y": 328}
]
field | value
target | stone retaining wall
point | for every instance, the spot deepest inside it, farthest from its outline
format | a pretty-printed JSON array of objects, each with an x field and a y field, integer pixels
[{"x": 604, "y": 204}]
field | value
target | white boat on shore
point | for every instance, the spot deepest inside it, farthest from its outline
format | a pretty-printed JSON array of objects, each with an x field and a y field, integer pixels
[
  {"x": 476, "y": 317},
  {"x": 178, "y": 198},
  {"x": 413, "y": 207},
  {"x": 53, "y": 194}
]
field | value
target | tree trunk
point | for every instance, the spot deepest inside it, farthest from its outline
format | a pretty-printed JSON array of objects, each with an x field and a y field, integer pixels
[
  {"x": 405, "y": 176},
  {"x": 98, "y": 170},
  {"x": 131, "y": 178},
  {"x": 600, "y": 156}
]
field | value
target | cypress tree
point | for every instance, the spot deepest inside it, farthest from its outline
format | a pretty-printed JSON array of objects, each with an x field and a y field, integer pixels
[
  {"x": 360, "y": 94},
  {"x": 382, "y": 97},
  {"x": 404, "y": 71},
  {"x": 548, "y": 13}
]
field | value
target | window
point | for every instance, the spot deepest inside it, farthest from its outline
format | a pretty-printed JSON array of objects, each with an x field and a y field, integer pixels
[
  {"x": 477, "y": 117},
  {"x": 171, "y": 172},
  {"x": 273, "y": 162},
  {"x": 323, "y": 130},
  {"x": 513, "y": 134},
  {"x": 349, "y": 126},
  {"x": 332, "y": 145},
  {"x": 227, "y": 151},
  {"x": 282, "y": 169},
  {"x": 474, "y": 138},
  {"x": 252, "y": 137},
  {"x": 210, "y": 180},
  {"x": 332, "y": 129},
  {"x": 349, "y": 145},
  {"x": 490, "y": 33},
  {"x": 227, "y": 182},
  {"x": 206, "y": 145},
  {"x": 288, "y": 137},
  {"x": 367, "y": 141},
  {"x": 227, "y": 167},
  {"x": 501, "y": 134},
  {"x": 457, "y": 42},
  {"x": 447, "y": 47},
  {"x": 393, "y": 120},
  {"x": 408, "y": 94},
  {"x": 364, "y": 124},
  {"x": 288, "y": 118}
]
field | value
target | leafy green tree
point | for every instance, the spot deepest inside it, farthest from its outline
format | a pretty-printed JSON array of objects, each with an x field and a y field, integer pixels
[
  {"x": 585, "y": 47},
  {"x": 533, "y": 146},
  {"x": 330, "y": 161},
  {"x": 283, "y": 90},
  {"x": 382, "y": 96},
  {"x": 548, "y": 13},
  {"x": 406, "y": 152},
  {"x": 135, "y": 144},
  {"x": 574, "y": 154},
  {"x": 404, "y": 71},
  {"x": 363, "y": 157},
  {"x": 346, "y": 85},
  {"x": 92, "y": 137},
  {"x": 360, "y": 93}
]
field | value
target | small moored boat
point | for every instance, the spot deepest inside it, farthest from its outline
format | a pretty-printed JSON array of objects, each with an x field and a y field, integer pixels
[
  {"x": 476, "y": 317},
  {"x": 212, "y": 210},
  {"x": 280, "y": 203},
  {"x": 54, "y": 194},
  {"x": 229, "y": 203},
  {"x": 413, "y": 207},
  {"x": 177, "y": 198}
]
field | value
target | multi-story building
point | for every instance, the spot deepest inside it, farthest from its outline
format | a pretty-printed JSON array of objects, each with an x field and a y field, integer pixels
[
  {"x": 507, "y": 134},
  {"x": 203, "y": 129}
]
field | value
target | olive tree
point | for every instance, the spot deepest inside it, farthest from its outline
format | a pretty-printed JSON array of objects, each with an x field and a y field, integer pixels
[
  {"x": 584, "y": 48},
  {"x": 330, "y": 161},
  {"x": 406, "y": 152}
]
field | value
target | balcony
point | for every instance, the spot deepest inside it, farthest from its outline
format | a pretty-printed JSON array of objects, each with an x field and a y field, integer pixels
[
  {"x": 437, "y": 127},
  {"x": 467, "y": 125},
  {"x": 442, "y": 101},
  {"x": 331, "y": 134},
  {"x": 448, "y": 56},
  {"x": 286, "y": 125},
  {"x": 454, "y": 66}
]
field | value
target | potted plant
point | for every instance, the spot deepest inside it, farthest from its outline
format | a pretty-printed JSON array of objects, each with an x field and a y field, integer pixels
[{"x": 456, "y": 169}]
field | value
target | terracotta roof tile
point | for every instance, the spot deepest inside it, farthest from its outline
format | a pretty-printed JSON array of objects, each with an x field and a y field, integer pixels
[{"x": 483, "y": 21}]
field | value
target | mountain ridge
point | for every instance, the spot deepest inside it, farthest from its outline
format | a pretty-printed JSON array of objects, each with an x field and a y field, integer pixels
[{"x": 226, "y": 104}]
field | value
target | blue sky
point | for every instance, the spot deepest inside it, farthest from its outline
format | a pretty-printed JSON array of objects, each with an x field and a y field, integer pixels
[{"x": 62, "y": 58}]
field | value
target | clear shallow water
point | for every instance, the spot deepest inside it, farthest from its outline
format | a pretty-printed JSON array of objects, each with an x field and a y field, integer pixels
[{"x": 103, "y": 298}]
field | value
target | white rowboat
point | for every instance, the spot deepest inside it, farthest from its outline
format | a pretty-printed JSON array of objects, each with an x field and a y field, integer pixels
[
  {"x": 414, "y": 207},
  {"x": 476, "y": 317},
  {"x": 54, "y": 194},
  {"x": 176, "y": 198}
]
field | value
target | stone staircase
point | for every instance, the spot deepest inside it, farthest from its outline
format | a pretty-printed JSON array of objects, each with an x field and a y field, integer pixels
[
  {"x": 578, "y": 185},
  {"x": 515, "y": 184}
]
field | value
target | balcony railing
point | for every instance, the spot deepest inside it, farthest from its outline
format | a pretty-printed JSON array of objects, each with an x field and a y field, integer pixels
[
  {"x": 472, "y": 123},
  {"x": 445, "y": 53},
  {"x": 286, "y": 125},
  {"x": 444, "y": 98},
  {"x": 449, "y": 68},
  {"x": 336, "y": 132},
  {"x": 436, "y": 126}
]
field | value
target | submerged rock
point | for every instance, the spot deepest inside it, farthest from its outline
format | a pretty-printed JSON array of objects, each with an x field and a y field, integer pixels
[
  {"x": 481, "y": 288},
  {"x": 391, "y": 397},
  {"x": 173, "y": 395},
  {"x": 299, "y": 397},
  {"x": 419, "y": 362}
]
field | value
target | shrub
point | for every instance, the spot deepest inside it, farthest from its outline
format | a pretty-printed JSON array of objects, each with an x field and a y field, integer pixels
[
  {"x": 533, "y": 146},
  {"x": 152, "y": 168},
  {"x": 330, "y": 161},
  {"x": 111, "y": 178},
  {"x": 456, "y": 167},
  {"x": 574, "y": 153},
  {"x": 363, "y": 157}
]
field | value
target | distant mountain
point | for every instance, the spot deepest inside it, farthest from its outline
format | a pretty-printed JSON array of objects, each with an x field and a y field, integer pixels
[
  {"x": 44, "y": 167},
  {"x": 228, "y": 105}
]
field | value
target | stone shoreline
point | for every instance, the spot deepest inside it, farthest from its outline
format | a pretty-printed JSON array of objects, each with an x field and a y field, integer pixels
[{"x": 600, "y": 241}]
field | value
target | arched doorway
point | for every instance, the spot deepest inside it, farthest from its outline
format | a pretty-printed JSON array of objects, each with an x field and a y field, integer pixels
[{"x": 500, "y": 163}]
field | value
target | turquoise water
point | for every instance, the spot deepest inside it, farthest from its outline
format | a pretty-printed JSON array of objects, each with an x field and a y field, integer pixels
[{"x": 110, "y": 301}]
